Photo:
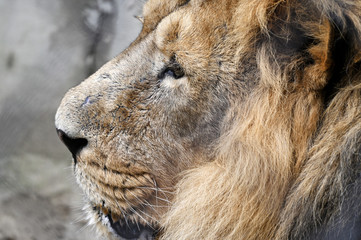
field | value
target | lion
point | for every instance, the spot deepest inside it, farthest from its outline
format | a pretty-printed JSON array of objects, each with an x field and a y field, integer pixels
[{"x": 233, "y": 119}]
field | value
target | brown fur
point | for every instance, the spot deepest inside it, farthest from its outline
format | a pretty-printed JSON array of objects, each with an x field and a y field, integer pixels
[{"x": 260, "y": 139}]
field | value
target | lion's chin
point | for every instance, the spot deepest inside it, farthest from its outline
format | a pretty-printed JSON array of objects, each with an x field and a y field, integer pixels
[
  {"x": 132, "y": 230},
  {"x": 122, "y": 228}
]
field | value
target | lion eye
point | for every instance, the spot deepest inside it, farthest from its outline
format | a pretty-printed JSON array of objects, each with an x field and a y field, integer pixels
[{"x": 174, "y": 71}]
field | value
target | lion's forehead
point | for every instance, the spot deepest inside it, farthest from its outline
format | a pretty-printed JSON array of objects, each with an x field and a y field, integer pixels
[
  {"x": 158, "y": 9},
  {"x": 155, "y": 10},
  {"x": 185, "y": 15},
  {"x": 188, "y": 32},
  {"x": 161, "y": 7}
]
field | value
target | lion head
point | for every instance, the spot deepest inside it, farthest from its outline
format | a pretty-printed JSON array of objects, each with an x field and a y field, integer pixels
[{"x": 225, "y": 119}]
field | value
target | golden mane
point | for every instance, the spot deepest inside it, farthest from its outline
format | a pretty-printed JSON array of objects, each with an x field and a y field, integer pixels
[{"x": 287, "y": 154}]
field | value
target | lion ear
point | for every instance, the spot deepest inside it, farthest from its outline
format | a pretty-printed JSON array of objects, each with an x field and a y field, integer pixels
[
  {"x": 326, "y": 38},
  {"x": 345, "y": 15},
  {"x": 339, "y": 54}
]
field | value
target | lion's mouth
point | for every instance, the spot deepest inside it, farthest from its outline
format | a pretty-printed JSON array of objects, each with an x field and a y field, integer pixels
[
  {"x": 131, "y": 230},
  {"x": 124, "y": 228}
]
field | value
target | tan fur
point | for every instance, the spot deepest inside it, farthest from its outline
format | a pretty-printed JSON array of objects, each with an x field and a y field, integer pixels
[{"x": 255, "y": 141}]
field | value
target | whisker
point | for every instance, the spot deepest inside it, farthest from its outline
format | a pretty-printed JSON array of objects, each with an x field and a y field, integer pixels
[
  {"x": 83, "y": 228},
  {"x": 165, "y": 200},
  {"x": 143, "y": 202},
  {"x": 164, "y": 194},
  {"x": 135, "y": 212},
  {"x": 149, "y": 216},
  {"x": 155, "y": 189},
  {"x": 159, "y": 189},
  {"x": 120, "y": 209},
  {"x": 78, "y": 219}
]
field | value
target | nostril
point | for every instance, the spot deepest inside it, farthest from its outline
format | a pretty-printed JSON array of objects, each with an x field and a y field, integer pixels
[{"x": 73, "y": 144}]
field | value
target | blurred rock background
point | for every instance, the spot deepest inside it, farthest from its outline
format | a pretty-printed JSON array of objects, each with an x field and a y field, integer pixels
[{"x": 46, "y": 47}]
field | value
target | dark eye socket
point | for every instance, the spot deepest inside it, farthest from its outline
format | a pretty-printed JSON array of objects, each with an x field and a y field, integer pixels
[{"x": 174, "y": 70}]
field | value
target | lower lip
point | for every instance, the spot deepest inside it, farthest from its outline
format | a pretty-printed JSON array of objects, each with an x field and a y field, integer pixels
[{"x": 130, "y": 230}]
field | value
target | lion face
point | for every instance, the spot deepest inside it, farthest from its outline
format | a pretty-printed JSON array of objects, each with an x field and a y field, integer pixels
[
  {"x": 151, "y": 113},
  {"x": 217, "y": 111}
]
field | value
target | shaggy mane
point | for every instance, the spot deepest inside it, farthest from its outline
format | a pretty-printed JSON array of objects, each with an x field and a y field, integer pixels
[{"x": 290, "y": 150}]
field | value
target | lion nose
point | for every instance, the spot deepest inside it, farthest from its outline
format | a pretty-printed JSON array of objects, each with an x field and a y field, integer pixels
[{"x": 74, "y": 145}]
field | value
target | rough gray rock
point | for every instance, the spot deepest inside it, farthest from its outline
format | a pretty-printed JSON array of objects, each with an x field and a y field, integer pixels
[{"x": 46, "y": 47}]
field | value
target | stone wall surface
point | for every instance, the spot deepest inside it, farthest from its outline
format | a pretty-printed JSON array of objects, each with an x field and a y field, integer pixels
[{"x": 46, "y": 47}]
